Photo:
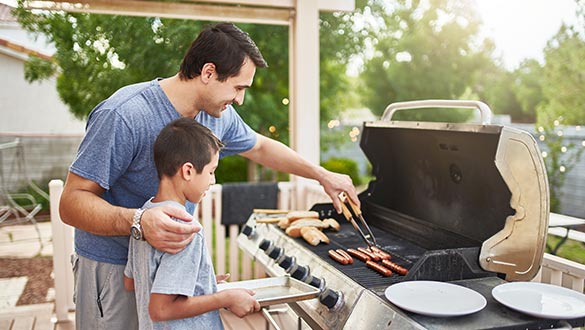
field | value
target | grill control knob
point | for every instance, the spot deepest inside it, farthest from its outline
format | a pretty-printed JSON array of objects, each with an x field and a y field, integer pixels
[
  {"x": 275, "y": 253},
  {"x": 249, "y": 231},
  {"x": 315, "y": 281},
  {"x": 286, "y": 262},
  {"x": 299, "y": 272},
  {"x": 265, "y": 244},
  {"x": 332, "y": 299}
]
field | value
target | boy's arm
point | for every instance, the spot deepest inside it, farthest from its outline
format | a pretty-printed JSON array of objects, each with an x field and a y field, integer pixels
[
  {"x": 166, "y": 307},
  {"x": 128, "y": 283}
]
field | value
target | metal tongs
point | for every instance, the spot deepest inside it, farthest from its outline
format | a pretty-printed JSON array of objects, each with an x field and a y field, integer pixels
[{"x": 369, "y": 237}]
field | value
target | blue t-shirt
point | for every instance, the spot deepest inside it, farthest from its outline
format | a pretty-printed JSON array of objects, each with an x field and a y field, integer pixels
[
  {"x": 187, "y": 273},
  {"x": 117, "y": 154}
]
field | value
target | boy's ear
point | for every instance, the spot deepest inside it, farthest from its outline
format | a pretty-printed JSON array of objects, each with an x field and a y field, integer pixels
[{"x": 188, "y": 171}]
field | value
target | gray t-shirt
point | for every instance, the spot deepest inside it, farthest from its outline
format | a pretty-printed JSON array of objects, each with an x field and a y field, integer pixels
[
  {"x": 187, "y": 273},
  {"x": 116, "y": 153}
]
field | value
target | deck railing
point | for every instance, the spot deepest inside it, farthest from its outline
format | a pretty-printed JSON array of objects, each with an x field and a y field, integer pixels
[{"x": 554, "y": 270}]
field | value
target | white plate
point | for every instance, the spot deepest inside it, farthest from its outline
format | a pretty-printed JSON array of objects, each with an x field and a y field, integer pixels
[
  {"x": 541, "y": 300},
  {"x": 435, "y": 298}
]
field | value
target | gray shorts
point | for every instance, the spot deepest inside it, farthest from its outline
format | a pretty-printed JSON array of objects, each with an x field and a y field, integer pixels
[{"x": 101, "y": 301}]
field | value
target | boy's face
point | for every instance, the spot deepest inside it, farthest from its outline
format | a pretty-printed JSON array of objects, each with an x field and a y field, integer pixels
[{"x": 199, "y": 183}]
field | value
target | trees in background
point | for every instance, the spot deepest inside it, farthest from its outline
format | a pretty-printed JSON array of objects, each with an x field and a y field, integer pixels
[
  {"x": 410, "y": 50},
  {"x": 424, "y": 50}
]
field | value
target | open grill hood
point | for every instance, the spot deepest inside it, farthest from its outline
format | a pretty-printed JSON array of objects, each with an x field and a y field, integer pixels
[{"x": 462, "y": 185}]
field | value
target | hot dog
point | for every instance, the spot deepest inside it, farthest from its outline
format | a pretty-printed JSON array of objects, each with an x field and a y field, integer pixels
[
  {"x": 383, "y": 254},
  {"x": 395, "y": 267},
  {"x": 346, "y": 255},
  {"x": 358, "y": 254},
  {"x": 337, "y": 257},
  {"x": 370, "y": 254},
  {"x": 379, "y": 268}
]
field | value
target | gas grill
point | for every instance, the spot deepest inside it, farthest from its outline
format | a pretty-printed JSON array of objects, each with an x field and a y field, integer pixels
[{"x": 460, "y": 203}]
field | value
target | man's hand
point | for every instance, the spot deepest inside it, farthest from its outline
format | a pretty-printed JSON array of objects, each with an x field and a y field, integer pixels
[
  {"x": 334, "y": 184},
  {"x": 165, "y": 234}
]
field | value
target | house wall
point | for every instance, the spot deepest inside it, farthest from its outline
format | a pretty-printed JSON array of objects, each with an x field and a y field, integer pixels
[{"x": 31, "y": 108}]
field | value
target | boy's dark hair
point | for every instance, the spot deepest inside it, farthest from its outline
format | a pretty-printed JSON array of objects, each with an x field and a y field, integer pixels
[
  {"x": 224, "y": 45},
  {"x": 184, "y": 140}
]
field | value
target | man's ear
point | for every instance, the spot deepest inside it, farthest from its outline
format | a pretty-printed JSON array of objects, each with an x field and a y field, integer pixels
[{"x": 207, "y": 72}]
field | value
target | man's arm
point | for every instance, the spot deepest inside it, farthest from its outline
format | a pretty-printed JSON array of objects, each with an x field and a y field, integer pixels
[
  {"x": 82, "y": 207},
  {"x": 276, "y": 155}
]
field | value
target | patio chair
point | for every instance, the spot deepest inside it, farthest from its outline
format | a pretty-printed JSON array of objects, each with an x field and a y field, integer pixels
[
  {"x": 20, "y": 208},
  {"x": 17, "y": 207}
]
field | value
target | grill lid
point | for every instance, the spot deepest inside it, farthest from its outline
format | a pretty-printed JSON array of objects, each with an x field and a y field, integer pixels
[{"x": 484, "y": 183}]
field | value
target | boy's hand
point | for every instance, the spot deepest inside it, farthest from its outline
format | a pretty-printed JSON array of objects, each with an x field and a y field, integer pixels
[
  {"x": 241, "y": 302},
  {"x": 221, "y": 278},
  {"x": 165, "y": 234}
]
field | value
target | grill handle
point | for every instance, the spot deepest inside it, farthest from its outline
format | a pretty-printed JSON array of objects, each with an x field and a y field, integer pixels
[{"x": 484, "y": 109}]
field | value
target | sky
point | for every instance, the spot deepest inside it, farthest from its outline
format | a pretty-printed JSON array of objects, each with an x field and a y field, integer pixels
[{"x": 521, "y": 28}]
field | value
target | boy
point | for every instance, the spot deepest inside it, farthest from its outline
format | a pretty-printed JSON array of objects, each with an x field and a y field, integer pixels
[{"x": 179, "y": 291}]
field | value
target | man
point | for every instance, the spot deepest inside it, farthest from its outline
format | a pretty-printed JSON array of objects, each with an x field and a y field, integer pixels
[{"x": 113, "y": 173}]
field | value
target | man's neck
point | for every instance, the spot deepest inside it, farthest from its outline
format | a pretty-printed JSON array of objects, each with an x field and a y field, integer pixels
[{"x": 182, "y": 94}]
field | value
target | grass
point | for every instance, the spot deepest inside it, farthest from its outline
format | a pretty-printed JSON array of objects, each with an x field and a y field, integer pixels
[{"x": 572, "y": 250}]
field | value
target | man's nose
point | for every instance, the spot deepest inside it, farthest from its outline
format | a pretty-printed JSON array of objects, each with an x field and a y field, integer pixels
[{"x": 239, "y": 99}]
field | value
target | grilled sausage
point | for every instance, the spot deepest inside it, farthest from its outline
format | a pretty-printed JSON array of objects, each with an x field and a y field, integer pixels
[
  {"x": 337, "y": 257},
  {"x": 370, "y": 254},
  {"x": 379, "y": 268},
  {"x": 346, "y": 255},
  {"x": 395, "y": 267},
  {"x": 358, "y": 254},
  {"x": 383, "y": 254}
]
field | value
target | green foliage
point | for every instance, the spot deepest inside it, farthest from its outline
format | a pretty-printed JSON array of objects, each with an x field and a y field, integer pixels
[
  {"x": 37, "y": 68},
  {"x": 572, "y": 250},
  {"x": 423, "y": 51},
  {"x": 563, "y": 78},
  {"x": 344, "y": 166},
  {"x": 561, "y": 158},
  {"x": 232, "y": 169},
  {"x": 527, "y": 87}
]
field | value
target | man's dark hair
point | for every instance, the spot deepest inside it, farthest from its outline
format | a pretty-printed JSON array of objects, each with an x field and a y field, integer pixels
[
  {"x": 184, "y": 140},
  {"x": 224, "y": 45}
]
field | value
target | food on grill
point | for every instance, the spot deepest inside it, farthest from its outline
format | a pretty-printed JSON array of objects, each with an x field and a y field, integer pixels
[
  {"x": 369, "y": 253},
  {"x": 346, "y": 255},
  {"x": 395, "y": 267},
  {"x": 383, "y": 254},
  {"x": 294, "y": 230},
  {"x": 379, "y": 268},
  {"x": 332, "y": 224},
  {"x": 335, "y": 255},
  {"x": 313, "y": 236},
  {"x": 293, "y": 216},
  {"x": 358, "y": 254}
]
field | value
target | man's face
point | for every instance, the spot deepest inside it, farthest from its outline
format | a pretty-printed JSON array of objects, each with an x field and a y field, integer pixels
[{"x": 221, "y": 94}]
